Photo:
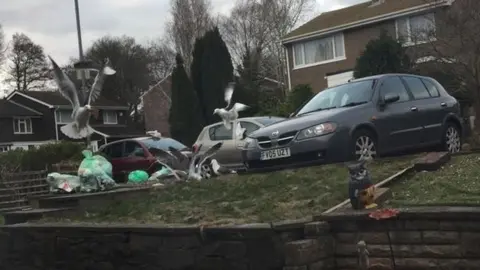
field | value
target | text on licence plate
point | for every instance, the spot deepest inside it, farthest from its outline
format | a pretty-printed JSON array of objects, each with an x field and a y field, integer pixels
[{"x": 275, "y": 153}]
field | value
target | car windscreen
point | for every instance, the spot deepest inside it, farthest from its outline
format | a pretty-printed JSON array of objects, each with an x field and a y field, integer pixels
[
  {"x": 349, "y": 94},
  {"x": 268, "y": 121},
  {"x": 163, "y": 144}
]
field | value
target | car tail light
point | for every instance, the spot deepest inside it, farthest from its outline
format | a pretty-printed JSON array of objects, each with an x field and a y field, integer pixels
[{"x": 195, "y": 148}]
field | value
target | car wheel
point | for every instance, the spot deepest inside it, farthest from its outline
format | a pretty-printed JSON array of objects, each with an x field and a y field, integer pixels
[
  {"x": 206, "y": 170},
  {"x": 364, "y": 145},
  {"x": 452, "y": 141}
]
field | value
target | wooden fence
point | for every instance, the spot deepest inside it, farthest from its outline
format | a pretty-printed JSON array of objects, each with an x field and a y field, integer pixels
[{"x": 15, "y": 188}]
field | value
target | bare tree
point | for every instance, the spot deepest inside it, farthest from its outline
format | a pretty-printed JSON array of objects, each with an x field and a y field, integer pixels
[
  {"x": 455, "y": 46},
  {"x": 162, "y": 58},
  {"x": 3, "y": 45},
  {"x": 190, "y": 20},
  {"x": 259, "y": 26},
  {"x": 29, "y": 68}
]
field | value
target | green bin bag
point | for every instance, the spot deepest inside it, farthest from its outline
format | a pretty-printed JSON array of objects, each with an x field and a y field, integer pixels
[{"x": 137, "y": 176}]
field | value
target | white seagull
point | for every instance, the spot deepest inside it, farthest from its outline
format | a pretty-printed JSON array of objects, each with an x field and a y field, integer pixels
[
  {"x": 154, "y": 134},
  {"x": 230, "y": 115},
  {"x": 80, "y": 127},
  {"x": 195, "y": 171}
]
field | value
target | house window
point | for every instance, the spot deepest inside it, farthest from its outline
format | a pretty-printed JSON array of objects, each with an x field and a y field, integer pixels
[
  {"x": 64, "y": 117},
  {"x": 110, "y": 117},
  {"x": 4, "y": 148},
  {"x": 416, "y": 29},
  {"x": 22, "y": 126},
  {"x": 319, "y": 51}
]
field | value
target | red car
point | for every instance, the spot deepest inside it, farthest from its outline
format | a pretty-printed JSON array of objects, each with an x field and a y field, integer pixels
[{"x": 137, "y": 154}]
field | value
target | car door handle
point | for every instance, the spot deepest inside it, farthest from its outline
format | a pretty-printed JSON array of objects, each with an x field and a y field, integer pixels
[
  {"x": 443, "y": 104},
  {"x": 413, "y": 109}
]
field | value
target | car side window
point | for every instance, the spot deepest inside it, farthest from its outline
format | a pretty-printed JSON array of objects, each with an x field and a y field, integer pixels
[
  {"x": 220, "y": 133},
  {"x": 432, "y": 89},
  {"x": 417, "y": 88},
  {"x": 249, "y": 127},
  {"x": 133, "y": 149},
  {"x": 393, "y": 85},
  {"x": 114, "y": 151}
]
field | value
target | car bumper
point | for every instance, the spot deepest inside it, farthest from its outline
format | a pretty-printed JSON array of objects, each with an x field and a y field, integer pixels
[{"x": 323, "y": 149}]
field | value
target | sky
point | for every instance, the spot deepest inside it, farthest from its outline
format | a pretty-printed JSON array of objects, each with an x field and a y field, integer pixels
[{"x": 51, "y": 23}]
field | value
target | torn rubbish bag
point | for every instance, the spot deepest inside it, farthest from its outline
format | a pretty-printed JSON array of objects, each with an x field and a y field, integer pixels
[{"x": 95, "y": 173}]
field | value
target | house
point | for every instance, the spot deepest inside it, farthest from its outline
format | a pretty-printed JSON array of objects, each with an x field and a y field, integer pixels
[
  {"x": 33, "y": 118},
  {"x": 323, "y": 51}
]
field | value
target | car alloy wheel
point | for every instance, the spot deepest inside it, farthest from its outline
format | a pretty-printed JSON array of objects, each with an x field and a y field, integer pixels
[
  {"x": 452, "y": 139},
  {"x": 206, "y": 171},
  {"x": 365, "y": 148}
]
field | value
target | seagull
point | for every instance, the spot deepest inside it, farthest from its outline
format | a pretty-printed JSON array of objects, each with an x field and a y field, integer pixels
[
  {"x": 218, "y": 169},
  {"x": 239, "y": 131},
  {"x": 182, "y": 159},
  {"x": 154, "y": 134},
  {"x": 230, "y": 115},
  {"x": 80, "y": 127},
  {"x": 194, "y": 172}
]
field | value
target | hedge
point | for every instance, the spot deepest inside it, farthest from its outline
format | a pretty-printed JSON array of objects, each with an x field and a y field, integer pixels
[{"x": 42, "y": 157}]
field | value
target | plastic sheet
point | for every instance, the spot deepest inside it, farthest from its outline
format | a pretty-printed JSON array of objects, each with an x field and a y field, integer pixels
[
  {"x": 63, "y": 182},
  {"x": 160, "y": 174}
]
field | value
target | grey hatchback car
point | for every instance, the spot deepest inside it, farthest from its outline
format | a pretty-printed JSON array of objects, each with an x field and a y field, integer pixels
[{"x": 360, "y": 119}]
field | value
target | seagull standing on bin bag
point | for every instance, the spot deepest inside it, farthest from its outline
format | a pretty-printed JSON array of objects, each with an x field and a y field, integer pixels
[
  {"x": 82, "y": 109},
  {"x": 230, "y": 115}
]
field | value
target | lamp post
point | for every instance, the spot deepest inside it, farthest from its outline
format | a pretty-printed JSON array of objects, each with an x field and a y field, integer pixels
[{"x": 80, "y": 72}]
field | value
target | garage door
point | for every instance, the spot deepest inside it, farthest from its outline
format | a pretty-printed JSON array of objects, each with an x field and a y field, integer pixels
[{"x": 339, "y": 78}]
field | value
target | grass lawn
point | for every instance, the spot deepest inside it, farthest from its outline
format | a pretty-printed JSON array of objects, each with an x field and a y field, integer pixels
[
  {"x": 291, "y": 194},
  {"x": 458, "y": 182}
]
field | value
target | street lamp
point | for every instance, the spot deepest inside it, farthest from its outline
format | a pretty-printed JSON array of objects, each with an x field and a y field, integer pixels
[{"x": 80, "y": 72}]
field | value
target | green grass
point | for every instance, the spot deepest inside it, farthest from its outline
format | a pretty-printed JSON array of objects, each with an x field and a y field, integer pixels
[
  {"x": 291, "y": 194},
  {"x": 457, "y": 182}
]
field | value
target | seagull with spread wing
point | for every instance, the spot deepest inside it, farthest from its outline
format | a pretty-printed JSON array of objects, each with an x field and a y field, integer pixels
[
  {"x": 82, "y": 108},
  {"x": 194, "y": 170},
  {"x": 230, "y": 115}
]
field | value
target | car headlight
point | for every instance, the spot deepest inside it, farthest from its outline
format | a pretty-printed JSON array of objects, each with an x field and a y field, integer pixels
[
  {"x": 249, "y": 143},
  {"x": 317, "y": 130}
]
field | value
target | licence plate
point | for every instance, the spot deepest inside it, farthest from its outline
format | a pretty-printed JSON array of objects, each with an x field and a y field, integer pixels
[{"x": 275, "y": 153}]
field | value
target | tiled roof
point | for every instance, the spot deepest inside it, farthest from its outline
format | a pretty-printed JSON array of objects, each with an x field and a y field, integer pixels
[
  {"x": 9, "y": 109},
  {"x": 352, "y": 14},
  {"x": 56, "y": 99}
]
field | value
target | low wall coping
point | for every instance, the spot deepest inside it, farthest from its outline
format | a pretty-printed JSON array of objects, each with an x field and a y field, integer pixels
[{"x": 425, "y": 212}]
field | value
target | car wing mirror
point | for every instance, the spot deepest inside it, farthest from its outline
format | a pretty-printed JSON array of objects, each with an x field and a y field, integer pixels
[{"x": 390, "y": 98}]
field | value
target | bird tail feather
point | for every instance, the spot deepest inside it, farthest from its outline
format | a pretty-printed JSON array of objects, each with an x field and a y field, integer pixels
[{"x": 71, "y": 130}]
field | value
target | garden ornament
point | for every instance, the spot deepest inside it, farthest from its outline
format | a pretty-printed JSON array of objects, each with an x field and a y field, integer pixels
[
  {"x": 82, "y": 109},
  {"x": 361, "y": 190},
  {"x": 363, "y": 260}
]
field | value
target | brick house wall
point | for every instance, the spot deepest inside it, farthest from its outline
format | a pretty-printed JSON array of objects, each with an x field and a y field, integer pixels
[{"x": 156, "y": 107}]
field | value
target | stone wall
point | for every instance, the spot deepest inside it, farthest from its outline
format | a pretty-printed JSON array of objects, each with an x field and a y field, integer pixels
[
  {"x": 256, "y": 246},
  {"x": 422, "y": 238}
]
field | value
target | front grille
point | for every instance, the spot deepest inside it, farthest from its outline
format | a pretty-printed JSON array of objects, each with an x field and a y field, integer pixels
[
  {"x": 298, "y": 158},
  {"x": 284, "y": 139}
]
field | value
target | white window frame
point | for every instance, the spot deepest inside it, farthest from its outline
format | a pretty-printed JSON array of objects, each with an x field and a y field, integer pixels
[
  {"x": 106, "y": 119},
  {"x": 59, "y": 117},
  {"x": 24, "y": 120},
  {"x": 409, "y": 42},
  {"x": 4, "y": 148},
  {"x": 335, "y": 58}
]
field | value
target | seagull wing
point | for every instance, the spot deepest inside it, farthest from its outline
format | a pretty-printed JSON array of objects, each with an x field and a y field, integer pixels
[
  {"x": 182, "y": 158},
  {"x": 229, "y": 93},
  {"x": 164, "y": 155},
  {"x": 239, "y": 130},
  {"x": 99, "y": 80},
  {"x": 196, "y": 156},
  {"x": 209, "y": 153},
  {"x": 65, "y": 86},
  {"x": 169, "y": 168},
  {"x": 239, "y": 107}
]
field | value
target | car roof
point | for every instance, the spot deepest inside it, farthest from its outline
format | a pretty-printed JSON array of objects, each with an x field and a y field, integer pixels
[
  {"x": 253, "y": 118},
  {"x": 131, "y": 139},
  {"x": 386, "y": 75}
]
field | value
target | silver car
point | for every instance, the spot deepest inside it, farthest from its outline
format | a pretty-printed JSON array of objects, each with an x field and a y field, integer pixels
[{"x": 230, "y": 154}]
